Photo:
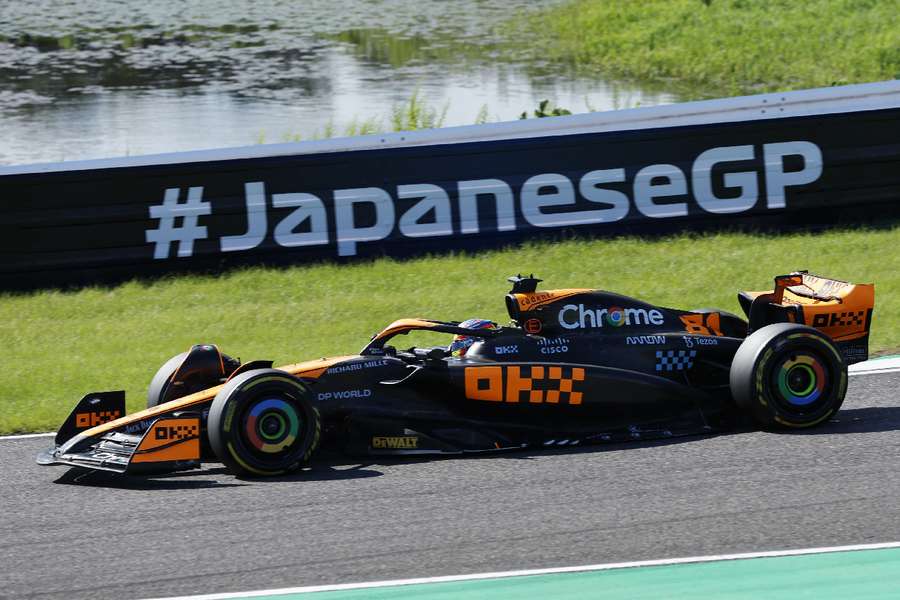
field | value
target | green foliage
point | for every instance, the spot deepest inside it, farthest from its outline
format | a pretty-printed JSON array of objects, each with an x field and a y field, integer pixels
[
  {"x": 363, "y": 127},
  {"x": 66, "y": 42},
  {"x": 482, "y": 117},
  {"x": 546, "y": 109},
  {"x": 61, "y": 345},
  {"x": 708, "y": 48},
  {"x": 415, "y": 114},
  {"x": 380, "y": 45}
]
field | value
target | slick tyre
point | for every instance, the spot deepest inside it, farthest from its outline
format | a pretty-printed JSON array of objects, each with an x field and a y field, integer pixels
[
  {"x": 262, "y": 423},
  {"x": 788, "y": 376}
]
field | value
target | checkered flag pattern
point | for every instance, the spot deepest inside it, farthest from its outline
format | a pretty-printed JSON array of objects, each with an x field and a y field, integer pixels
[
  {"x": 852, "y": 318},
  {"x": 675, "y": 360}
]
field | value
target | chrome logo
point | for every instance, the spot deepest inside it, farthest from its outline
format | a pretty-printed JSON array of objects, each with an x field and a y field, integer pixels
[
  {"x": 801, "y": 379},
  {"x": 615, "y": 316}
]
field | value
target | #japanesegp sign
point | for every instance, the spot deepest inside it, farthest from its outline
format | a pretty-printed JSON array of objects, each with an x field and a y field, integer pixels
[
  {"x": 720, "y": 181},
  {"x": 133, "y": 217}
]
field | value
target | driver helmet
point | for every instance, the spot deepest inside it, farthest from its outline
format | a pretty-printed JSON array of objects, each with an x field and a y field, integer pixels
[{"x": 461, "y": 343}]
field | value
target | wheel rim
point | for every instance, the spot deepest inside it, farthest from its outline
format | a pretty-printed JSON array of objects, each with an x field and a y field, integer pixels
[
  {"x": 801, "y": 379},
  {"x": 272, "y": 426}
]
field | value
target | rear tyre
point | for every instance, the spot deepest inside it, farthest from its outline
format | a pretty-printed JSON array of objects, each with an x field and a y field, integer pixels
[
  {"x": 263, "y": 423},
  {"x": 788, "y": 376}
]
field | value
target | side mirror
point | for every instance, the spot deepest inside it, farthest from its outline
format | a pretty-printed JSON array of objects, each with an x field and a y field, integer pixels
[{"x": 436, "y": 354}]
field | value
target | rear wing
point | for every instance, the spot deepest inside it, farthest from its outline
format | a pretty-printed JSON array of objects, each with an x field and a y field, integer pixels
[{"x": 839, "y": 309}]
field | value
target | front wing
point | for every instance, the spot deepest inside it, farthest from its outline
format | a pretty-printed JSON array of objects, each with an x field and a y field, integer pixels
[{"x": 169, "y": 444}]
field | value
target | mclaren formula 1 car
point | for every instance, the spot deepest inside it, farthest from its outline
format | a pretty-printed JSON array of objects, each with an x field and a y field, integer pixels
[{"x": 575, "y": 366}]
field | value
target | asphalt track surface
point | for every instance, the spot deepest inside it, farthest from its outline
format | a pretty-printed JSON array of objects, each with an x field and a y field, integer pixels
[{"x": 204, "y": 532}]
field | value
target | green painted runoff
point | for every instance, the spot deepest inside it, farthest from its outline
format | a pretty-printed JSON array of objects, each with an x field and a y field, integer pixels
[{"x": 864, "y": 574}]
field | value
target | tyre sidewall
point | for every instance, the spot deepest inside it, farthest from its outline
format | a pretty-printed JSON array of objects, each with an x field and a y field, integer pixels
[
  {"x": 753, "y": 376},
  {"x": 229, "y": 411}
]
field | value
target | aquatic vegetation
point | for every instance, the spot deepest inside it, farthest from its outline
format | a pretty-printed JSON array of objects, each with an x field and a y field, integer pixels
[
  {"x": 546, "y": 109},
  {"x": 707, "y": 48},
  {"x": 415, "y": 113}
]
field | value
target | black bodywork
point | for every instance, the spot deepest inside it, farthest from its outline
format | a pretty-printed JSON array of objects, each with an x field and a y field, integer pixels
[
  {"x": 563, "y": 385},
  {"x": 575, "y": 366}
]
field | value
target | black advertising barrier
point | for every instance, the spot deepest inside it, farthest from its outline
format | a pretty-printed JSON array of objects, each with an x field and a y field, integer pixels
[{"x": 98, "y": 221}]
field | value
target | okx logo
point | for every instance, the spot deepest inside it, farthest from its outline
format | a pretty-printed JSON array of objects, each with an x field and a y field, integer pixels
[
  {"x": 92, "y": 419},
  {"x": 176, "y": 432},
  {"x": 537, "y": 384},
  {"x": 840, "y": 319}
]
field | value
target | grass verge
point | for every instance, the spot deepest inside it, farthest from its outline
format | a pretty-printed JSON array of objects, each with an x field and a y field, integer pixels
[
  {"x": 706, "y": 48},
  {"x": 61, "y": 345}
]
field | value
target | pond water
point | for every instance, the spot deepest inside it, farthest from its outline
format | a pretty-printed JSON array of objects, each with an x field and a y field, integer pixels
[{"x": 98, "y": 78}]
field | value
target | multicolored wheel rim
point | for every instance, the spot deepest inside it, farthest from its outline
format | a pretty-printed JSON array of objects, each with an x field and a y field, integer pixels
[
  {"x": 272, "y": 425},
  {"x": 615, "y": 316},
  {"x": 801, "y": 379}
]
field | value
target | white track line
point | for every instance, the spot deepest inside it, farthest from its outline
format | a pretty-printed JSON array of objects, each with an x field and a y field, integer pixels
[
  {"x": 525, "y": 573},
  {"x": 25, "y": 436},
  {"x": 870, "y": 367},
  {"x": 879, "y": 365}
]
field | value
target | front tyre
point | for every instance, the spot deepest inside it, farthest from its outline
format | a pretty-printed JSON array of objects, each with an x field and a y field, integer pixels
[
  {"x": 788, "y": 376},
  {"x": 263, "y": 423}
]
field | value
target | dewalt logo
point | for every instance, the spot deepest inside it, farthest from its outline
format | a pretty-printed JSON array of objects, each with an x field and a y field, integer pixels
[{"x": 405, "y": 442}]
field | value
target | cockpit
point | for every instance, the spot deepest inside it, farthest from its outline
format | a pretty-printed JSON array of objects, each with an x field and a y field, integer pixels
[{"x": 379, "y": 346}]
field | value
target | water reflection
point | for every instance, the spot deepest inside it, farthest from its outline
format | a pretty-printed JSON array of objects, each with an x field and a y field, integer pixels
[
  {"x": 92, "y": 78},
  {"x": 381, "y": 47}
]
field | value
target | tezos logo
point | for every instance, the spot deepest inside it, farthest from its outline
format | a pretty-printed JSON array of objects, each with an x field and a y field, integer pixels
[
  {"x": 700, "y": 341},
  {"x": 578, "y": 317}
]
